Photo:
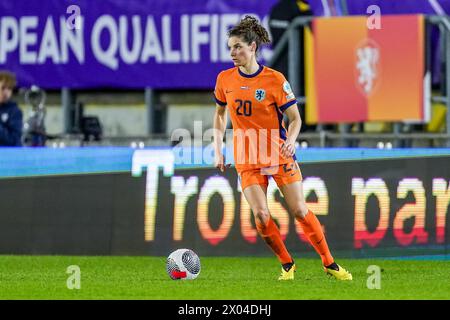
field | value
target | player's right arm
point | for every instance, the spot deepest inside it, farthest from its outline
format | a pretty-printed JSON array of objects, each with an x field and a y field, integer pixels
[{"x": 220, "y": 123}]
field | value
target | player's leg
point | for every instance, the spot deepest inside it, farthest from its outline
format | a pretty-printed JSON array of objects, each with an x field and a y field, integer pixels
[
  {"x": 256, "y": 196},
  {"x": 290, "y": 184},
  {"x": 267, "y": 229},
  {"x": 293, "y": 195}
]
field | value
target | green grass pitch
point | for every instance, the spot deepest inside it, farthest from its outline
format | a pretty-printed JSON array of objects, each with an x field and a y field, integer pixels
[{"x": 237, "y": 278}]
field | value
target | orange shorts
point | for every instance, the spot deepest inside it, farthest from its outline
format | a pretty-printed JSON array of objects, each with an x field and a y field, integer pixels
[{"x": 282, "y": 174}]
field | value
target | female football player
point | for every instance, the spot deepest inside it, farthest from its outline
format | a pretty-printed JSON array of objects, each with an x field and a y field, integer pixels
[{"x": 256, "y": 98}]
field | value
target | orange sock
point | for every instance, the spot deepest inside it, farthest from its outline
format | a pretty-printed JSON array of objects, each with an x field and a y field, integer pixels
[
  {"x": 271, "y": 235},
  {"x": 313, "y": 230}
]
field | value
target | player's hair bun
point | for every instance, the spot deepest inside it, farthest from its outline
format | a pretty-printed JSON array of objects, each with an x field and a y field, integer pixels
[
  {"x": 250, "y": 29},
  {"x": 251, "y": 23}
]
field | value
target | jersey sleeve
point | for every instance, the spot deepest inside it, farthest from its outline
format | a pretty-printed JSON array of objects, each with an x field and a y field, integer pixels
[
  {"x": 219, "y": 92},
  {"x": 283, "y": 94}
]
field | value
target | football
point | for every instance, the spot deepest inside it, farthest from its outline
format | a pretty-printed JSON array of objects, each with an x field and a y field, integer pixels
[{"x": 183, "y": 264}]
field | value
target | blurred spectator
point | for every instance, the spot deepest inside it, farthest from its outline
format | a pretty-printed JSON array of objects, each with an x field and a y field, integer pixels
[
  {"x": 34, "y": 133},
  {"x": 10, "y": 114},
  {"x": 281, "y": 15}
]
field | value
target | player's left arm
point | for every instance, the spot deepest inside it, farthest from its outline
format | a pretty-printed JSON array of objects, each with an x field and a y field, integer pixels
[{"x": 295, "y": 123}]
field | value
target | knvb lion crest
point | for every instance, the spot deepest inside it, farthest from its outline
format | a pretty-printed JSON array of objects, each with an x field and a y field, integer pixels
[
  {"x": 367, "y": 66},
  {"x": 260, "y": 94}
]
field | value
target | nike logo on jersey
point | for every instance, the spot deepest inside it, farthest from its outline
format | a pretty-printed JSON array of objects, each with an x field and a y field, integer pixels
[{"x": 228, "y": 91}]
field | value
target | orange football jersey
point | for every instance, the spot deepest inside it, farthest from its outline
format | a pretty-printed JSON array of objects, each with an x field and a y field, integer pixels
[{"x": 256, "y": 104}]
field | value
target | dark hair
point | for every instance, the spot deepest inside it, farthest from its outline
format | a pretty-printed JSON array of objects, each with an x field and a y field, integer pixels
[
  {"x": 9, "y": 78},
  {"x": 249, "y": 29}
]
